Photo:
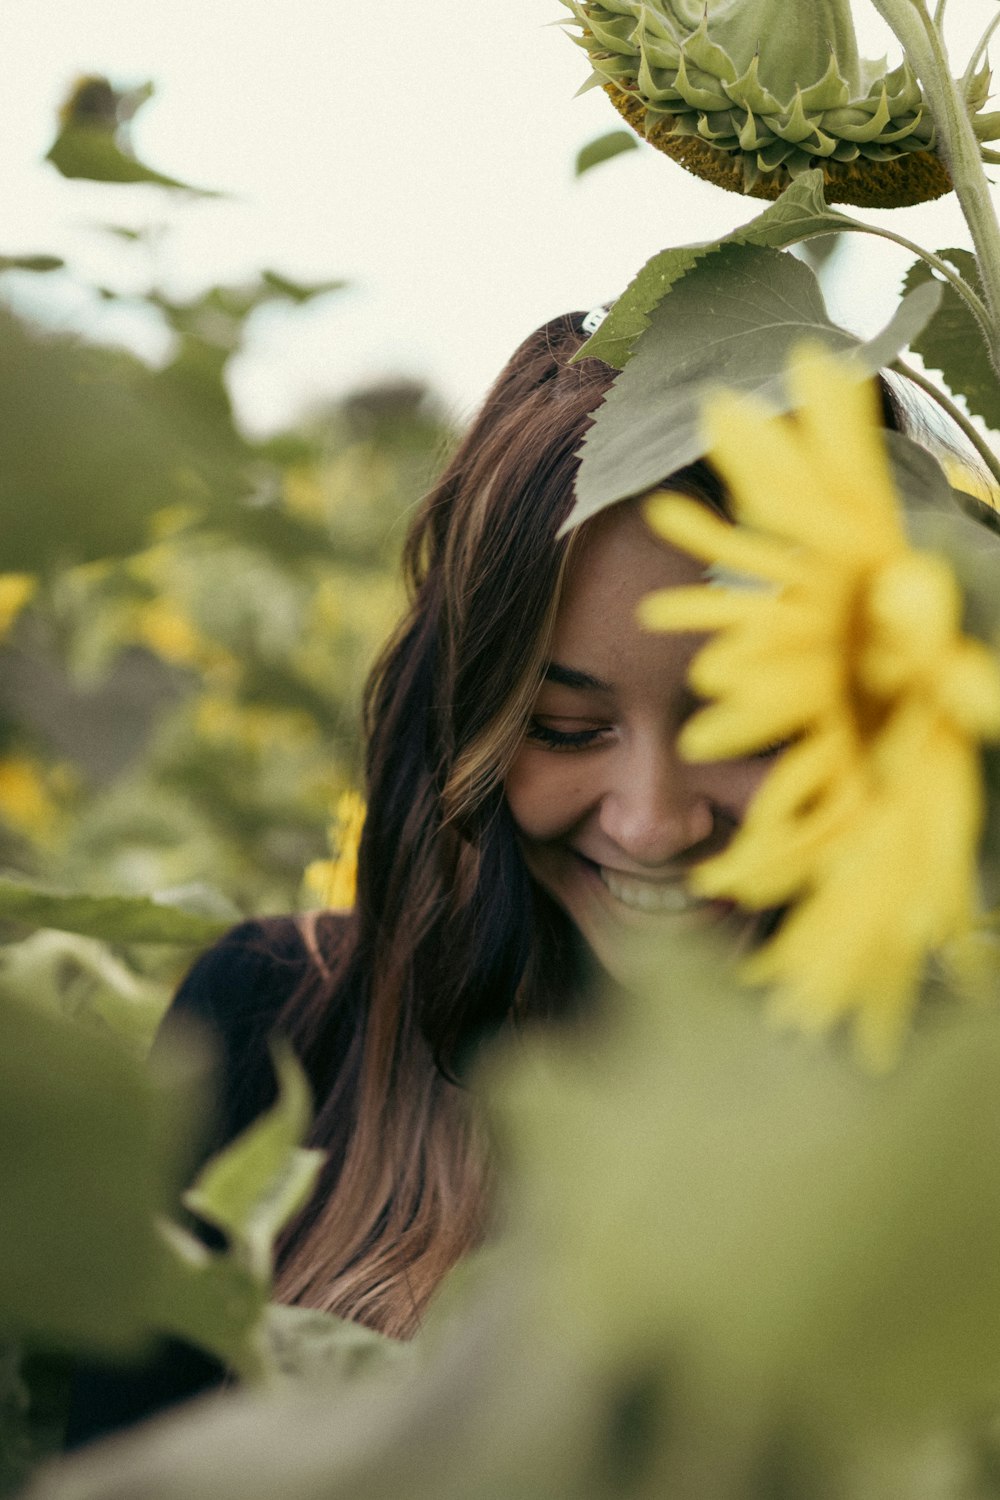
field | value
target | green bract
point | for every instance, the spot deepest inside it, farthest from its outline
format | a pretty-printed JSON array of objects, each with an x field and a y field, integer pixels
[{"x": 751, "y": 93}]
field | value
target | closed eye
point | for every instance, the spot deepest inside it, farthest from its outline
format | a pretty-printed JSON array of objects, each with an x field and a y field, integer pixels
[{"x": 564, "y": 739}]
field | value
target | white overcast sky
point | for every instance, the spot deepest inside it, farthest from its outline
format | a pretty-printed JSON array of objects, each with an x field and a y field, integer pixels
[{"x": 422, "y": 151}]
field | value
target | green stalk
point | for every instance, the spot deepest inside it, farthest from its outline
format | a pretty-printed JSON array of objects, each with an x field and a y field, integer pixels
[
  {"x": 923, "y": 45},
  {"x": 906, "y": 18},
  {"x": 975, "y": 304}
]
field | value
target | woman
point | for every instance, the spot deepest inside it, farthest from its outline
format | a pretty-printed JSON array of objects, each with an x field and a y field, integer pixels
[
  {"x": 527, "y": 810},
  {"x": 489, "y": 725}
]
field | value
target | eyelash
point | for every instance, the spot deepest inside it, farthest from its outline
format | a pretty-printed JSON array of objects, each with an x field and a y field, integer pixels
[
  {"x": 582, "y": 739},
  {"x": 560, "y": 739}
]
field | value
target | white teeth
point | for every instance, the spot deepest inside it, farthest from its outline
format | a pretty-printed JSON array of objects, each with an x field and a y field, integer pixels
[{"x": 648, "y": 895}]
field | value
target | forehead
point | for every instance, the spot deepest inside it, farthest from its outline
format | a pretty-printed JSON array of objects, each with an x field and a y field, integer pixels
[{"x": 615, "y": 561}]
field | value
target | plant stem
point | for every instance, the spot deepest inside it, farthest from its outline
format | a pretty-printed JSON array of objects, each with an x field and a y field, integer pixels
[
  {"x": 976, "y": 305},
  {"x": 922, "y": 43},
  {"x": 989, "y": 458},
  {"x": 906, "y": 18},
  {"x": 961, "y": 152}
]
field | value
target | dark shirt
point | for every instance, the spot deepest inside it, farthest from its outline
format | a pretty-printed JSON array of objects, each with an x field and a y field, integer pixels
[{"x": 235, "y": 990}]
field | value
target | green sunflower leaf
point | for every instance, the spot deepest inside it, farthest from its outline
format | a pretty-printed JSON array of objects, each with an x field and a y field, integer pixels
[
  {"x": 952, "y": 343},
  {"x": 731, "y": 320},
  {"x": 801, "y": 213},
  {"x": 304, "y": 1342},
  {"x": 84, "y": 981},
  {"x": 212, "y": 1300}
]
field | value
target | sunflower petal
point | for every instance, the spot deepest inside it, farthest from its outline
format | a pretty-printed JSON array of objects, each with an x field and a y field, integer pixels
[
  {"x": 693, "y": 527},
  {"x": 868, "y": 822}
]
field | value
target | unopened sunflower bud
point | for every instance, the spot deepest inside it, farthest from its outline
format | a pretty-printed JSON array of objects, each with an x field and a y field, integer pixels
[{"x": 751, "y": 93}]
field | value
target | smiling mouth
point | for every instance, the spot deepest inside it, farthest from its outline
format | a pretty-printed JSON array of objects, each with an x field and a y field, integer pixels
[{"x": 654, "y": 896}]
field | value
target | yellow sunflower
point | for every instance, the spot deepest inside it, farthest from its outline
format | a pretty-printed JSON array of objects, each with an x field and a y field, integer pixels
[{"x": 852, "y": 656}]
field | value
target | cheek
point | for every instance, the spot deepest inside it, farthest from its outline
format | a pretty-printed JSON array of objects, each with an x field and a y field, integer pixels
[
  {"x": 546, "y": 793},
  {"x": 737, "y": 782}
]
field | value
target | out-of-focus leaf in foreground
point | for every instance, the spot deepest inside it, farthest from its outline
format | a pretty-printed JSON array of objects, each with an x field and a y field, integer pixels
[
  {"x": 85, "y": 1164},
  {"x": 301, "y": 1343},
  {"x": 254, "y": 1187},
  {"x": 33, "y": 1394},
  {"x": 80, "y": 979},
  {"x": 249, "y": 1191},
  {"x": 733, "y": 1263},
  {"x": 822, "y": 1245},
  {"x": 114, "y": 919}
]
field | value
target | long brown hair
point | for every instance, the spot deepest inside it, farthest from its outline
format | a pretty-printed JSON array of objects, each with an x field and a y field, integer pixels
[{"x": 449, "y": 939}]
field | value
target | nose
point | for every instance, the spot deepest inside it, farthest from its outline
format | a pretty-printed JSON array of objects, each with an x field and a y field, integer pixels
[{"x": 656, "y": 808}]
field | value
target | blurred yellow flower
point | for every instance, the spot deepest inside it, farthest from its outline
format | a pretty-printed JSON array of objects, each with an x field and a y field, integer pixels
[
  {"x": 259, "y": 729},
  {"x": 851, "y": 656},
  {"x": 16, "y": 590},
  {"x": 162, "y": 626},
  {"x": 26, "y": 802},
  {"x": 332, "y": 882},
  {"x": 171, "y": 520}
]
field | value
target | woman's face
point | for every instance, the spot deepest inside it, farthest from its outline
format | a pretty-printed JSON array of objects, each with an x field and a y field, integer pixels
[{"x": 611, "y": 818}]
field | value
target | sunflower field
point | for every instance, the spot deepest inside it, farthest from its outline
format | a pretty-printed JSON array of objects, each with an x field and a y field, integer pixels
[
  {"x": 186, "y": 619},
  {"x": 751, "y": 1225}
]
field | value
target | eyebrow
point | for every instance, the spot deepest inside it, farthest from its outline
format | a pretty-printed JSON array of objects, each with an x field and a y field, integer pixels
[{"x": 571, "y": 678}]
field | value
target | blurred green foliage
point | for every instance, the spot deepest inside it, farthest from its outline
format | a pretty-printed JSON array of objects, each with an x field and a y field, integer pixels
[
  {"x": 93, "y": 1257},
  {"x": 733, "y": 1267},
  {"x": 612, "y": 143},
  {"x": 94, "y": 136},
  {"x": 187, "y": 615}
]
